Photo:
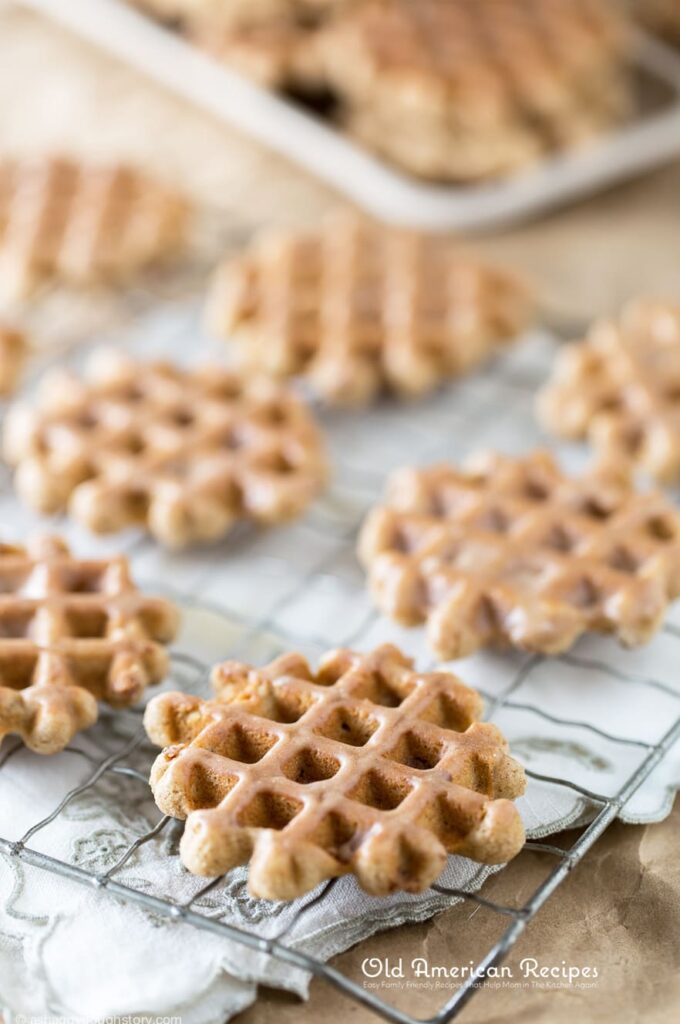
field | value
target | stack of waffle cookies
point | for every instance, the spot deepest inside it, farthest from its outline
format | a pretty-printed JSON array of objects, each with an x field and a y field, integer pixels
[{"x": 450, "y": 90}]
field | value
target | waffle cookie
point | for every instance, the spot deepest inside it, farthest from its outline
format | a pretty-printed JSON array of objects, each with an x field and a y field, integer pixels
[
  {"x": 184, "y": 453},
  {"x": 73, "y": 632},
  {"x": 620, "y": 388},
  {"x": 464, "y": 89},
  {"x": 236, "y": 14},
  {"x": 509, "y": 551},
  {"x": 82, "y": 224},
  {"x": 359, "y": 309},
  {"x": 365, "y": 767},
  {"x": 277, "y": 55},
  {"x": 13, "y": 354}
]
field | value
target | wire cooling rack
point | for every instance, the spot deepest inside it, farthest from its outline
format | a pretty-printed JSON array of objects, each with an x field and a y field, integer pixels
[{"x": 494, "y": 403}]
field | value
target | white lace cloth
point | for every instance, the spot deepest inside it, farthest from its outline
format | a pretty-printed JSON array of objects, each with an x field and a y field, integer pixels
[{"x": 74, "y": 950}]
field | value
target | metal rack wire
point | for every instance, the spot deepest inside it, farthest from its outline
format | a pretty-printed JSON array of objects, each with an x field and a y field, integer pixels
[
  {"x": 603, "y": 808},
  {"x": 187, "y": 911}
]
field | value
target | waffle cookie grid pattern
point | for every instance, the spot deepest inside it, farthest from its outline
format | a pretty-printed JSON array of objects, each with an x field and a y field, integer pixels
[
  {"x": 365, "y": 766},
  {"x": 449, "y": 90},
  {"x": 358, "y": 309},
  {"x": 507, "y": 385},
  {"x": 466, "y": 89},
  {"x": 183, "y": 453},
  {"x": 511, "y": 552},
  {"x": 82, "y": 224},
  {"x": 620, "y": 389},
  {"x": 73, "y": 632}
]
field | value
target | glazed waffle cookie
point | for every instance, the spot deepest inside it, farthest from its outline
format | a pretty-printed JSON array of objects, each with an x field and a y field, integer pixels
[
  {"x": 184, "y": 453},
  {"x": 469, "y": 88},
  {"x": 73, "y": 632},
  {"x": 365, "y": 766},
  {"x": 620, "y": 388},
  {"x": 509, "y": 551},
  {"x": 13, "y": 355},
  {"x": 358, "y": 309},
  {"x": 82, "y": 224}
]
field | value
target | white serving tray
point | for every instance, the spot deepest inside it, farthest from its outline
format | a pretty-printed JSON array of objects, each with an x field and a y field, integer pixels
[{"x": 647, "y": 142}]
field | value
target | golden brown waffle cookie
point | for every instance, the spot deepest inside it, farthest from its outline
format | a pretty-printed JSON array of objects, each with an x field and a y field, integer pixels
[
  {"x": 359, "y": 309},
  {"x": 13, "y": 354},
  {"x": 365, "y": 766},
  {"x": 620, "y": 388},
  {"x": 184, "y": 453},
  {"x": 443, "y": 153},
  {"x": 73, "y": 632},
  {"x": 511, "y": 551},
  {"x": 277, "y": 55},
  {"x": 236, "y": 14},
  {"x": 468, "y": 88},
  {"x": 82, "y": 224}
]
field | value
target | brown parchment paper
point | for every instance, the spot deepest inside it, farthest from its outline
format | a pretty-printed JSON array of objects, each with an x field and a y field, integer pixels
[{"x": 619, "y": 911}]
